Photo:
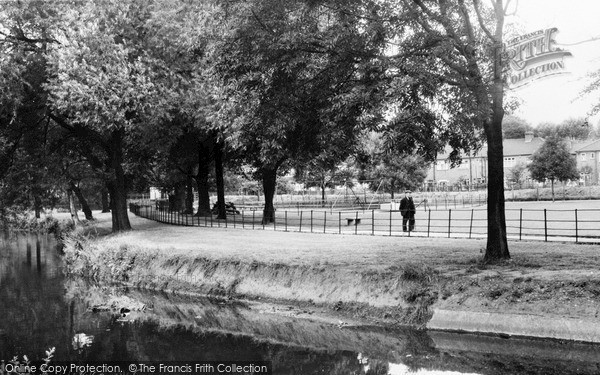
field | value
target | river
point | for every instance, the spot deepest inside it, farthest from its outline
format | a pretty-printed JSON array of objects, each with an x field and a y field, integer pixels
[{"x": 40, "y": 308}]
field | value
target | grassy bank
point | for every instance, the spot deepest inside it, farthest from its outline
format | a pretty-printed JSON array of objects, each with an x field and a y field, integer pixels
[{"x": 379, "y": 279}]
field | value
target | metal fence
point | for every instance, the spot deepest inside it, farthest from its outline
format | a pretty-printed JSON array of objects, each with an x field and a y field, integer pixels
[{"x": 579, "y": 225}]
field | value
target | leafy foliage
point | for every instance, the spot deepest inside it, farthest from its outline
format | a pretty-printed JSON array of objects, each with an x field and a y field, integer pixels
[
  {"x": 391, "y": 169},
  {"x": 515, "y": 128},
  {"x": 574, "y": 128},
  {"x": 553, "y": 161},
  {"x": 517, "y": 173}
]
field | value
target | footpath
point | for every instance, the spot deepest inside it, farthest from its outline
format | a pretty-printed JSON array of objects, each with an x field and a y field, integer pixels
[{"x": 547, "y": 290}]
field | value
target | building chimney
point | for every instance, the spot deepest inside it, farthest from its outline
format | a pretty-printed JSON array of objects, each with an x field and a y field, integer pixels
[{"x": 528, "y": 136}]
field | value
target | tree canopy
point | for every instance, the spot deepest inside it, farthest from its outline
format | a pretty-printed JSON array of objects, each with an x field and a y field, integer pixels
[
  {"x": 161, "y": 90},
  {"x": 553, "y": 162},
  {"x": 514, "y": 127}
]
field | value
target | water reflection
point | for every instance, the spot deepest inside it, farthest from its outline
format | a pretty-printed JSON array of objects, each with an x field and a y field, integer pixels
[{"x": 40, "y": 309}]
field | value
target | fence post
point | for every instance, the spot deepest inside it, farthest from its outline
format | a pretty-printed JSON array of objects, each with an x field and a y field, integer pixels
[
  {"x": 545, "y": 226},
  {"x": 373, "y": 222},
  {"x": 300, "y": 226},
  {"x": 311, "y": 221},
  {"x": 428, "y": 222},
  {"x": 324, "y": 221},
  {"x": 390, "y": 222},
  {"x": 520, "y": 224},
  {"x": 253, "y": 218},
  {"x": 576, "y": 228},
  {"x": 356, "y": 223},
  {"x": 340, "y": 222},
  {"x": 449, "y": 221},
  {"x": 471, "y": 226}
]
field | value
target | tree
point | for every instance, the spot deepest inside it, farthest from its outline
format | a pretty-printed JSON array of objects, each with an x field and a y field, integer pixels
[
  {"x": 390, "y": 169},
  {"x": 104, "y": 87},
  {"x": 517, "y": 173},
  {"x": 30, "y": 176},
  {"x": 547, "y": 129},
  {"x": 514, "y": 127},
  {"x": 573, "y": 128},
  {"x": 453, "y": 51},
  {"x": 184, "y": 36},
  {"x": 304, "y": 72},
  {"x": 553, "y": 161},
  {"x": 322, "y": 172}
]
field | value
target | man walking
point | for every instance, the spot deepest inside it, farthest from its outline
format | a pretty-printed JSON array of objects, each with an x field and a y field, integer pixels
[{"x": 407, "y": 209}]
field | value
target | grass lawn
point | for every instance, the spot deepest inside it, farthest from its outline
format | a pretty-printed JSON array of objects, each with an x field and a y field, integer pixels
[{"x": 355, "y": 251}]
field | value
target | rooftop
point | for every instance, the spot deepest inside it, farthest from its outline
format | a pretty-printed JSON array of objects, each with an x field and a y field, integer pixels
[{"x": 590, "y": 146}]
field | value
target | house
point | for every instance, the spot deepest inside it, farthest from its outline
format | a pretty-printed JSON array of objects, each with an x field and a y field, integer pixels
[
  {"x": 473, "y": 169},
  {"x": 588, "y": 161}
]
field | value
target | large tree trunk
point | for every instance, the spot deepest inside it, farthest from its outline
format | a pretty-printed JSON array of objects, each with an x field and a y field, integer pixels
[
  {"x": 72, "y": 208},
  {"x": 202, "y": 181},
  {"x": 189, "y": 194},
  {"x": 269, "y": 179},
  {"x": 177, "y": 200},
  {"x": 105, "y": 200},
  {"x": 220, "y": 182},
  {"x": 203, "y": 193},
  {"x": 117, "y": 186},
  {"x": 37, "y": 205},
  {"x": 85, "y": 207},
  {"x": 497, "y": 243}
]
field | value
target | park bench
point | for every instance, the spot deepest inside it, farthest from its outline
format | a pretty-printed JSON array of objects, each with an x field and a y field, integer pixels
[{"x": 353, "y": 219}]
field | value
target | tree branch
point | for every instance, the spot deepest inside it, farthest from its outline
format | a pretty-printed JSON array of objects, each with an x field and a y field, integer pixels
[
  {"x": 261, "y": 23},
  {"x": 477, "y": 6}
]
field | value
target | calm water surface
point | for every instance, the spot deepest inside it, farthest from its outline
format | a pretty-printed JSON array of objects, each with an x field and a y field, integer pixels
[{"x": 40, "y": 308}]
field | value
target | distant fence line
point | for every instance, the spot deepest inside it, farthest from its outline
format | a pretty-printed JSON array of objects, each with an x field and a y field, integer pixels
[
  {"x": 424, "y": 202},
  {"x": 579, "y": 225}
]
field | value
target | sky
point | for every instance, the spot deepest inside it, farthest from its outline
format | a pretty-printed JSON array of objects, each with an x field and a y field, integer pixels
[{"x": 554, "y": 99}]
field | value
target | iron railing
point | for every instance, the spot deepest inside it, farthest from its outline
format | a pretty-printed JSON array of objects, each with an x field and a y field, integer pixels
[{"x": 578, "y": 225}]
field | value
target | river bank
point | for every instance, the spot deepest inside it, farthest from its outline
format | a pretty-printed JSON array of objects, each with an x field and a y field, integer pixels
[{"x": 545, "y": 290}]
